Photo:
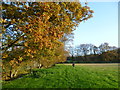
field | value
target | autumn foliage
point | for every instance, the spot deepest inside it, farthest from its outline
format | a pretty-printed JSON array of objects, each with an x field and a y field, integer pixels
[{"x": 32, "y": 31}]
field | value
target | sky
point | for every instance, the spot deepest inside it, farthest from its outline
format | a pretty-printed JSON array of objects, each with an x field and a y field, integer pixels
[{"x": 102, "y": 27}]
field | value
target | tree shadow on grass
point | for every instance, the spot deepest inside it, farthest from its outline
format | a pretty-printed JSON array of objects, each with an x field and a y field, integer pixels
[
  {"x": 32, "y": 74},
  {"x": 19, "y": 76}
]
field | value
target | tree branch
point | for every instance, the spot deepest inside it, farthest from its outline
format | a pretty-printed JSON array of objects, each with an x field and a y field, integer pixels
[{"x": 13, "y": 43}]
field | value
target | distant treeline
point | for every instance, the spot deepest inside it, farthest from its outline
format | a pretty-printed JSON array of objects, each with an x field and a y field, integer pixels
[{"x": 112, "y": 56}]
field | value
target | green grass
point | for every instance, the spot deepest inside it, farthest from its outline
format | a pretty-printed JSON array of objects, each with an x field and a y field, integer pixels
[{"x": 66, "y": 76}]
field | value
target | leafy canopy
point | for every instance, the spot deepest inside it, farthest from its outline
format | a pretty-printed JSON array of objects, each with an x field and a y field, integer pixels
[{"x": 35, "y": 29}]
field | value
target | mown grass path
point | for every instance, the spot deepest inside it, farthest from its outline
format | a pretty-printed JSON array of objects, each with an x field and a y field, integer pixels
[{"x": 66, "y": 76}]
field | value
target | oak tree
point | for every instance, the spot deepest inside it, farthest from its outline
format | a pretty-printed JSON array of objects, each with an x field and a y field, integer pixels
[{"x": 32, "y": 30}]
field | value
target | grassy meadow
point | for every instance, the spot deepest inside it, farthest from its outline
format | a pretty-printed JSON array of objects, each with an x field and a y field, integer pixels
[{"x": 66, "y": 76}]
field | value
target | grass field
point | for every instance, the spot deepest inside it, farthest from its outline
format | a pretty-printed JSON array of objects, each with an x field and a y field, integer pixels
[{"x": 66, "y": 76}]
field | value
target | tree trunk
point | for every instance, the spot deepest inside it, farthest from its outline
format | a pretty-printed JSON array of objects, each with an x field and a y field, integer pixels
[{"x": 15, "y": 74}]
